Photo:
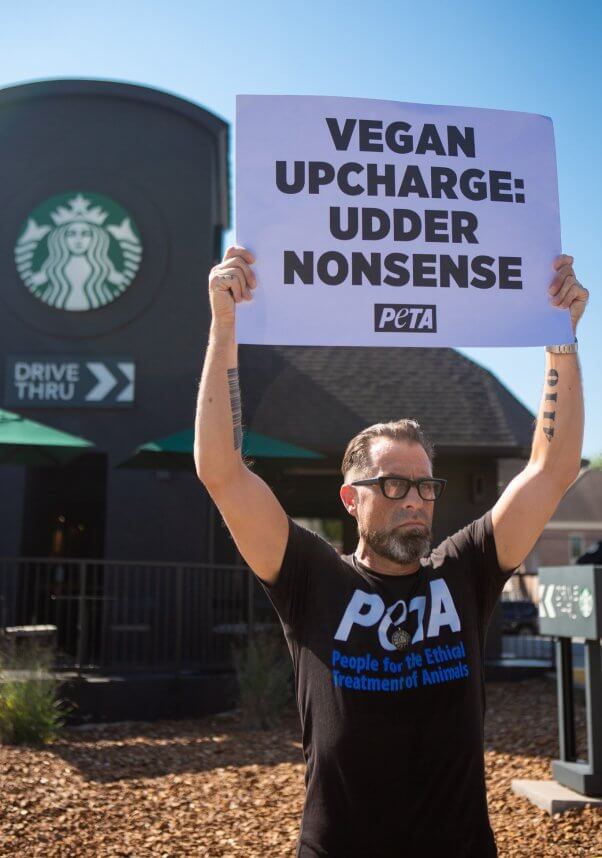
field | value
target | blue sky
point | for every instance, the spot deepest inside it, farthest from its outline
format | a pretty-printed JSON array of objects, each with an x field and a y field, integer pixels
[{"x": 541, "y": 57}]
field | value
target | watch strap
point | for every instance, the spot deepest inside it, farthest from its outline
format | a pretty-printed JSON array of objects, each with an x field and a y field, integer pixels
[{"x": 564, "y": 349}]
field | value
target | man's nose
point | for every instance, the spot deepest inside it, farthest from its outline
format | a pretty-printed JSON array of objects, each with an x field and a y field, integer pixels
[{"x": 412, "y": 500}]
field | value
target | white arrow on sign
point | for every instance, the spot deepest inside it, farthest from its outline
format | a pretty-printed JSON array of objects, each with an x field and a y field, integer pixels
[
  {"x": 546, "y": 608},
  {"x": 542, "y": 590},
  {"x": 127, "y": 394},
  {"x": 106, "y": 382}
]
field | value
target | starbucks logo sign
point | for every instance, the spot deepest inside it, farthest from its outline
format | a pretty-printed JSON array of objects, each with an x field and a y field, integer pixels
[
  {"x": 78, "y": 251},
  {"x": 586, "y": 602}
]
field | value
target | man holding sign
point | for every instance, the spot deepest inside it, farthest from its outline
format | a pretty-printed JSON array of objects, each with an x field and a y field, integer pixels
[
  {"x": 387, "y": 643},
  {"x": 382, "y": 223}
]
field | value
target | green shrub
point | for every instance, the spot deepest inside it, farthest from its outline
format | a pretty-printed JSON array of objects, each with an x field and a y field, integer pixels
[
  {"x": 30, "y": 712},
  {"x": 264, "y": 670}
]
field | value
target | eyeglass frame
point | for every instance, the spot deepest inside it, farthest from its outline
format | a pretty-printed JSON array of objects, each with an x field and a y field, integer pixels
[{"x": 411, "y": 483}]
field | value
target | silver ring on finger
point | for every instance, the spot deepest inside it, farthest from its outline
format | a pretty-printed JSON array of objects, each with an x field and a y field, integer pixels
[{"x": 224, "y": 282}]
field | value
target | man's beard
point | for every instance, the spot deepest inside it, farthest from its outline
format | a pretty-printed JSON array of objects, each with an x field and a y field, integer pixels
[{"x": 399, "y": 545}]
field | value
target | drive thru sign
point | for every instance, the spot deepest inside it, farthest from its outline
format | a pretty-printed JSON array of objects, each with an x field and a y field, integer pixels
[{"x": 570, "y": 607}]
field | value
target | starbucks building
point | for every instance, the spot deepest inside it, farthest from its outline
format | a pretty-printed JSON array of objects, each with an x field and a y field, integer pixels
[{"x": 115, "y": 200}]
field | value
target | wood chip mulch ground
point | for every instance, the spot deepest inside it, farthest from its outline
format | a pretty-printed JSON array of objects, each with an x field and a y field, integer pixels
[{"x": 209, "y": 788}]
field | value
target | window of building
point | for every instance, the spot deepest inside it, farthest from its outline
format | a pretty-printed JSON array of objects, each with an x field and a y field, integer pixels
[
  {"x": 478, "y": 486},
  {"x": 331, "y": 529},
  {"x": 575, "y": 546}
]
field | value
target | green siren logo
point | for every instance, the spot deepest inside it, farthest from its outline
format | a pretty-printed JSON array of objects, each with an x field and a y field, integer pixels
[
  {"x": 78, "y": 251},
  {"x": 586, "y": 602}
]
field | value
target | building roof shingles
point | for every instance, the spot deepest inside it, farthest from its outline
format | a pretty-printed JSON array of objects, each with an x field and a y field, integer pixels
[
  {"x": 320, "y": 397},
  {"x": 583, "y": 500}
]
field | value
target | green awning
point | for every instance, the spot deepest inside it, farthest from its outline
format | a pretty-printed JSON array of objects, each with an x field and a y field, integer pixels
[
  {"x": 177, "y": 451},
  {"x": 26, "y": 442}
]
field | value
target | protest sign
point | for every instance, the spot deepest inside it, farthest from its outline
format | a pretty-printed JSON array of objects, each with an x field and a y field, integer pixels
[{"x": 383, "y": 223}]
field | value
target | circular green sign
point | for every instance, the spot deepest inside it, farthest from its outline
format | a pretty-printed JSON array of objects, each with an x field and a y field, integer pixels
[
  {"x": 78, "y": 251},
  {"x": 586, "y": 602}
]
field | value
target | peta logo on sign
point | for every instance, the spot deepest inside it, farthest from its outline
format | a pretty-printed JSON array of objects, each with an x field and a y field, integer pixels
[
  {"x": 417, "y": 318},
  {"x": 368, "y": 609}
]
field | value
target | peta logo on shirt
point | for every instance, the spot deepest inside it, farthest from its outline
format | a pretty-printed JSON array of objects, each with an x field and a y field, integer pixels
[{"x": 368, "y": 609}]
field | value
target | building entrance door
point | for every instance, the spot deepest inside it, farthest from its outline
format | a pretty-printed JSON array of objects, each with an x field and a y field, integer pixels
[
  {"x": 64, "y": 509},
  {"x": 64, "y": 517}
]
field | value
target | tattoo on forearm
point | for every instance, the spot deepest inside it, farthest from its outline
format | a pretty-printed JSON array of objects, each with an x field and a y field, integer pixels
[
  {"x": 235, "y": 406},
  {"x": 552, "y": 381}
]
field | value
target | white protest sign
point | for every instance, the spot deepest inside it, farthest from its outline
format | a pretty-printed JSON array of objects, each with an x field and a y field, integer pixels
[{"x": 378, "y": 223}]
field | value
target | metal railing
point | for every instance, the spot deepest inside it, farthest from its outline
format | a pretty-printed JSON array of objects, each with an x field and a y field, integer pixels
[
  {"x": 135, "y": 616},
  {"x": 534, "y": 648},
  {"x": 152, "y": 616}
]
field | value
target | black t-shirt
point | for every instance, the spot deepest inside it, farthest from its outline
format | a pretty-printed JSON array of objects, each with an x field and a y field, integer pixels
[{"x": 392, "y": 735}]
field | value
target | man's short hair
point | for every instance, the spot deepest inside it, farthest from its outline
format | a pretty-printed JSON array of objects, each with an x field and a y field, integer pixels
[{"x": 357, "y": 456}]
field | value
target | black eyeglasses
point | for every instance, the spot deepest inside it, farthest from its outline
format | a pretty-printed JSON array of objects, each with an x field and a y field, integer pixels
[{"x": 395, "y": 488}]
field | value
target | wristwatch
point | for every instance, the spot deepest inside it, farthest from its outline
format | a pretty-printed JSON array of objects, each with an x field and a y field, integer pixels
[{"x": 565, "y": 349}]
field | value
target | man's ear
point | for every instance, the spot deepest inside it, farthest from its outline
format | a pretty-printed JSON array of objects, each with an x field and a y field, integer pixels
[{"x": 349, "y": 497}]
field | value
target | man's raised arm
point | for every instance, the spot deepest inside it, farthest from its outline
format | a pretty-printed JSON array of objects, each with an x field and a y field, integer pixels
[
  {"x": 252, "y": 513},
  {"x": 530, "y": 499}
]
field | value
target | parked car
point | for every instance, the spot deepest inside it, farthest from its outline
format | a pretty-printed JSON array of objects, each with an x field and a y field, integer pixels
[
  {"x": 520, "y": 617},
  {"x": 593, "y": 555}
]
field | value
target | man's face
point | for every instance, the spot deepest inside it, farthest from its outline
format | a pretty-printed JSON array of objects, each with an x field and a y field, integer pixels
[{"x": 399, "y": 530}]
